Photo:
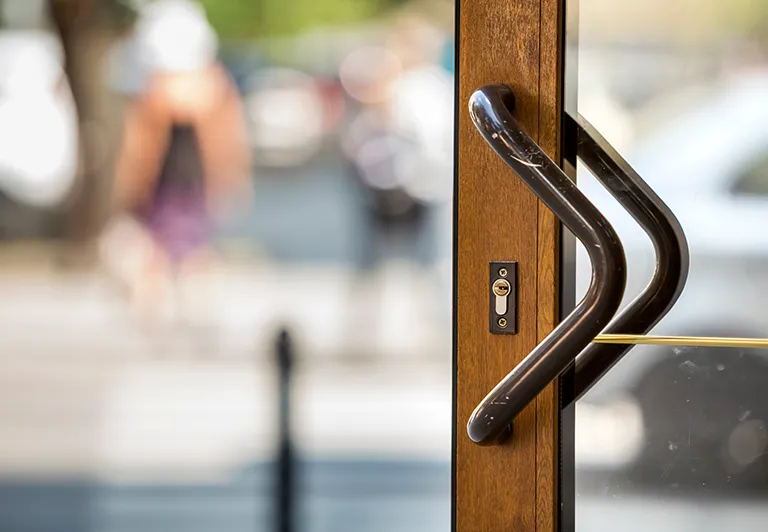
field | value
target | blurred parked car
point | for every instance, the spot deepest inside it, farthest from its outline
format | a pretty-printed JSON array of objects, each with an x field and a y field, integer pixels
[
  {"x": 285, "y": 112},
  {"x": 694, "y": 419}
]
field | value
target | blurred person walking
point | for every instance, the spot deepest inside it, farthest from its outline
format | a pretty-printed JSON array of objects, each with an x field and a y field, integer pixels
[
  {"x": 398, "y": 145},
  {"x": 184, "y": 158}
]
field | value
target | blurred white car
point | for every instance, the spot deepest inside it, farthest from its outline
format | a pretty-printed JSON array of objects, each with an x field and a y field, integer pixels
[
  {"x": 38, "y": 120},
  {"x": 285, "y": 116},
  {"x": 710, "y": 165}
]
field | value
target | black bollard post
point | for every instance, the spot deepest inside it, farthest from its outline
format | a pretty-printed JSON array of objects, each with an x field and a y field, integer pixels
[{"x": 284, "y": 492}]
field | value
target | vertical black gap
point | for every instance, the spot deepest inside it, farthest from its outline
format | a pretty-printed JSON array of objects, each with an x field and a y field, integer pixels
[
  {"x": 567, "y": 473},
  {"x": 567, "y": 432},
  {"x": 455, "y": 275}
]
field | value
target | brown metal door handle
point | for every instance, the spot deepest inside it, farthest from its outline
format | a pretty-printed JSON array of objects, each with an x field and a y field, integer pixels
[{"x": 490, "y": 110}]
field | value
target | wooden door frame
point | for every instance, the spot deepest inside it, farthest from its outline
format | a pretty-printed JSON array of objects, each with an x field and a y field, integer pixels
[{"x": 519, "y": 43}]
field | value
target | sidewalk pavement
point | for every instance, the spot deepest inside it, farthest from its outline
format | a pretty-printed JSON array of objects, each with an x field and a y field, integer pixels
[{"x": 86, "y": 390}]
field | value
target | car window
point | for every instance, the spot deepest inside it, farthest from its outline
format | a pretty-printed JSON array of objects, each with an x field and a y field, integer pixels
[{"x": 754, "y": 181}]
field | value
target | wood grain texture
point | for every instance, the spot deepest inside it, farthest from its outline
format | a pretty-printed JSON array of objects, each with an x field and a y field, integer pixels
[{"x": 510, "y": 487}]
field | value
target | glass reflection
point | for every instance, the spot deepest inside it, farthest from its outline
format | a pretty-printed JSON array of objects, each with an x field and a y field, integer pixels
[
  {"x": 695, "y": 96},
  {"x": 674, "y": 438}
]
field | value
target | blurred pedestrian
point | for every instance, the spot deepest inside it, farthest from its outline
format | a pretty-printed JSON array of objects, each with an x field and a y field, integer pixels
[
  {"x": 184, "y": 156},
  {"x": 376, "y": 152},
  {"x": 398, "y": 145},
  {"x": 399, "y": 141}
]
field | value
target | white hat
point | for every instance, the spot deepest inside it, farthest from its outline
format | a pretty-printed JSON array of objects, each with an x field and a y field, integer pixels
[{"x": 175, "y": 36}]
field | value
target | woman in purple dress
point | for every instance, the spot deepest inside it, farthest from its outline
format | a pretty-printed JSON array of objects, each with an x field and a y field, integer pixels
[{"x": 185, "y": 152}]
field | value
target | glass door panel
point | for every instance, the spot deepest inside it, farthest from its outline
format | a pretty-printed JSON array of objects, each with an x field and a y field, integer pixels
[
  {"x": 228, "y": 317},
  {"x": 675, "y": 436},
  {"x": 679, "y": 89}
]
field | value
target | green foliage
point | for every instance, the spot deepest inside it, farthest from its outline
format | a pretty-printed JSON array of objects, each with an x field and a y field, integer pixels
[
  {"x": 751, "y": 17},
  {"x": 120, "y": 12},
  {"x": 266, "y": 18},
  {"x": 244, "y": 19}
]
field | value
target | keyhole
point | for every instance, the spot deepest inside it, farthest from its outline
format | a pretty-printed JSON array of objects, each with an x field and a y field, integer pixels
[{"x": 501, "y": 288}]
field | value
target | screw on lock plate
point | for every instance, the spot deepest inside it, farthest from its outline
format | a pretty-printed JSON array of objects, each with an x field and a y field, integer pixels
[{"x": 503, "y": 297}]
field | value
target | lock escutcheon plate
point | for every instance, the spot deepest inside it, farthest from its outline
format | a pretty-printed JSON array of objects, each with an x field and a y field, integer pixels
[{"x": 502, "y": 291}]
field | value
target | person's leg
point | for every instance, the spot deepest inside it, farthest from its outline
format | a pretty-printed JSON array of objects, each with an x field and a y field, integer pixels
[
  {"x": 198, "y": 298},
  {"x": 151, "y": 288}
]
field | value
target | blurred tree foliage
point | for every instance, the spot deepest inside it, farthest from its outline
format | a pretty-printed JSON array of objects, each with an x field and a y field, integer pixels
[
  {"x": 242, "y": 19},
  {"x": 696, "y": 22},
  {"x": 752, "y": 17}
]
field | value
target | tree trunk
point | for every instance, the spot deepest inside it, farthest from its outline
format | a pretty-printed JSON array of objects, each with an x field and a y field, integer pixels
[{"x": 86, "y": 34}]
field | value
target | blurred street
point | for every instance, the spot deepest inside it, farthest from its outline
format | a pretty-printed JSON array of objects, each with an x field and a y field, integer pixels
[
  {"x": 175, "y": 428},
  {"x": 324, "y": 306},
  {"x": 184, "y": 182},
  {"x": 135, "y": 397}
]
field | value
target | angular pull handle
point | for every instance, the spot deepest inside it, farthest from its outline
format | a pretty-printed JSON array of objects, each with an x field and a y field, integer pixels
[
  {"x": 492, "y": 419},
  {"x": 669, "y": 244}
]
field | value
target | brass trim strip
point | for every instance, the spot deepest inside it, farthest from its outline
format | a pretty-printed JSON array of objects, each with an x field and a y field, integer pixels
[{"x": 682, "y": 341}]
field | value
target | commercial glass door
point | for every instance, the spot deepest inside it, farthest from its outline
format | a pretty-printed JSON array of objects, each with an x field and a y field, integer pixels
[{"x": 656, "y": 109}]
